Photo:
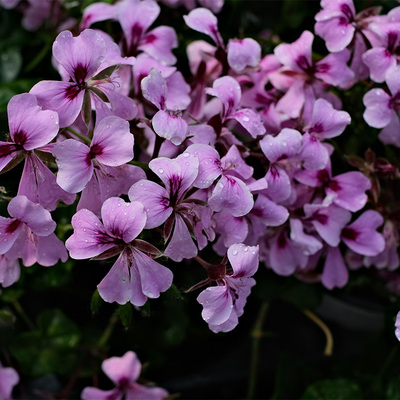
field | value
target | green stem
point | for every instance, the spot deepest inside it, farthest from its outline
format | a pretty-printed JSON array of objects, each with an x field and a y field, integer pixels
[
  {"x": 388, "y": 361},
  {"x": 77, "y": 134},
  {"x": 38, "y": 58},
  {"x": 140, "y": 164},
  {"x": 256, "y": 335},
  {"x": 23, "y": 314},
  {"x": 108, "y": 331}
]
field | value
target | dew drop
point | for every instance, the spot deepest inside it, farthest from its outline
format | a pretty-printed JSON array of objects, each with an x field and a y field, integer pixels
[
  {"x": 246, "y": 248},
  {"x": 186, "y": 155},
  {"x": 234, "y": 252},
  {"x": 161, "y": 171},
  {"x": 246, "y": 119}
]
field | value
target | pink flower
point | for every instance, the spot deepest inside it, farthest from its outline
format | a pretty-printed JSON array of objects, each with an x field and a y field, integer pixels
[
  {"x": 135, "y": 276},
  {"x": 124, "y": 371},
  {"x": 8, "y": 379},
  {"x": 224, "y": 303}
]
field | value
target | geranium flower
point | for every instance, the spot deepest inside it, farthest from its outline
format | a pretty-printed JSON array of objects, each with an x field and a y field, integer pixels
[
  {"x": 124, "y": 372},
  {"x": 135, "y": 276}
]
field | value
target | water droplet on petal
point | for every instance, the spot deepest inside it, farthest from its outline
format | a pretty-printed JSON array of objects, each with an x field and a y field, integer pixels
[
  {"x": 186, "y": 155},
  {"x": 161, "y": 171},
  {"x": 234, "y": 252}
]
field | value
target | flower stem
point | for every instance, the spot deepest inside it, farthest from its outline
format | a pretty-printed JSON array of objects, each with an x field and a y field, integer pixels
[
  {"x": 109, "y": 330},
  {"x": 78, "y": 135},
  {"x": 23, "y": 314},
  {"x": 256, "y": 335},
  {"x": 328, "y": 334}
]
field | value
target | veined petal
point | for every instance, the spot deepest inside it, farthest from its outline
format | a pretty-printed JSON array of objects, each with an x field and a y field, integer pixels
[
  {"x": 209, "y": 164},
  {"x": 9, "y": 232},
  {"x": 204, "y": 21},
  {"x": 159, "y": 42},
  {"x": 89, "y": 238},
  {"x": 122, "y": 283},
  {"x": 181, "y": 244},
  {"x": 123, "y": 220},
  {"x": 156, "y": 201},
  {"x": 122, "y": 369},
  {"x": 177, "y": 174},
  {"x": 244, "y": 260},
  {"x": 154, "y": 277},
  {"x": 97, "y": 12},
  {"x": 81, "y": 56},
  {"x": 75, "y": 167},
  {"x": 49, "y": 250},
  {"x": 112, "y": 142},
  {"x": 233, "y": 195},
  {"x": 30, "y": 126},
  {"x": 227, "y": 89},
  {"x": 136, "y": 17},
  {"x": 66, "y": 98},
  {"x": 170, "y": 127},
  {"x": 251, "y": 121},
  {"x": 39, "y": 184},
  {"x": 154, "y": 88},
  {"x": 243, "y": 53},
  {"x": 33, "y": 215},
  {"x": 283, "y": 146},
  {"x": 10, "y": 272},
  {"x": 335, "y": 272},
  {"x": 217, "y": 304},
  {"x": 378, "y": 111}
]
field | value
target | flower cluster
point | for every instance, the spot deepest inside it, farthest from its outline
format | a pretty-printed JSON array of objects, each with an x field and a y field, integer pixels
[{"x": 238, "y": 159}]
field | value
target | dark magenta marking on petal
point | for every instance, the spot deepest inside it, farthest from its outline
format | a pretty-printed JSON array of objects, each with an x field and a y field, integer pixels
[
  {"x": 7, "y": 149},
  {"x": 349, "y": 233},
  {"x": 392, "y": 37},
  {"x": 20, "y": 138},
  {"x": 322, "y": 68},
  {"x": 80, "y": 74},
  {"x": 175, "y": 183},
  {"x": 281, "y": 241},
  {"x": 150, "y": 38},
  {"x": 72, "y": 91},
  {"x": 95, "y": 150},
  {"x": 334, "y": 185},
  {"x": 323, "y": 176},
  {"x": 302, "y": 63},
  {"x": 317, "y": 128},
  {"x": 345, "y": 9},
  {"x": 321, "y": 218},
  {"x": 13, "y": 226}
]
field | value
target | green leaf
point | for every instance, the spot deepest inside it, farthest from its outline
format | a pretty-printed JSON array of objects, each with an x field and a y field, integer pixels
[
  {"x": 105, "y": 73},
  {"x": 10, "y": 63},
  {"x": 96, "y": 301},
  {"x": 10, "y": 295},
  {"x": 332, "y": 389},
  {"x": 125, "y": 314},
  {"x": 6, "y": 318},
  {"x": 393, "y": 389}
]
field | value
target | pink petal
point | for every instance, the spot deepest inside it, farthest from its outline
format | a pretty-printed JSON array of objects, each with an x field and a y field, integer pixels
[
  {"x": 63, "y": 97},
  {"x": 159, "y": 42},
  {"x": 233, "y": 195},
  {"x": 244, "y": 260},
  {"x": 156, "y": 201},
  {"x": 279, "y": 184},
  {"x": 50, "y": 249},
  {"x": 204, "y": 21},
  {"x": 361, "y": 235},
  {"x": 285, "y": 145},
  {"x": 10, "y": 272},
  {"x": 379, "y": 61},
  {"x": 217, "y": 304},
  {"x": 89, "y": 238},
  {"x": 74, "y": 163},
  {"x": 154, "y": 88},
  {"x": 308, "y": 244},
  {"x": 232, "y": 229},
  {"x": 313, "y": 153},
  {"x": 81, "y": 56},
  {"x": 178, "y": 92},
  {"x": 378, "y": 111},
  {"x": 326, "y": 122},
  {"x": 122, "y": 283},
  {"x": 181, "y": 244},
  {"x": 177, "y": 174},
  {"x": 92, "y": 393},
  {"x": 209, "y": 164},
  {"x": 33, "y": 215},
  {"x": 30, "y": 126},
  {"x": 251, "y": 121},
  {"x": 154, "y": 277},
  {"x": 9, "y": 232},
  {"x": 112, "y": 142},
  {"x": 122, "y": 369},
  {"x": 136, "y": 17},
  {"x": 269, "y": 213},
  {"x": 227, "y": 89},
  {"x": 123, "y": 220},
  {"x": 170, "y": 127},
  {"x": 335, "y": 273},
  {"x": 243, "y": 53},
  {"x": 296, "y": 55},
  {"x": 233, "y": 161},
  {"x": 39, "y": 185},
  {"x": 97, "y": 12}
]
